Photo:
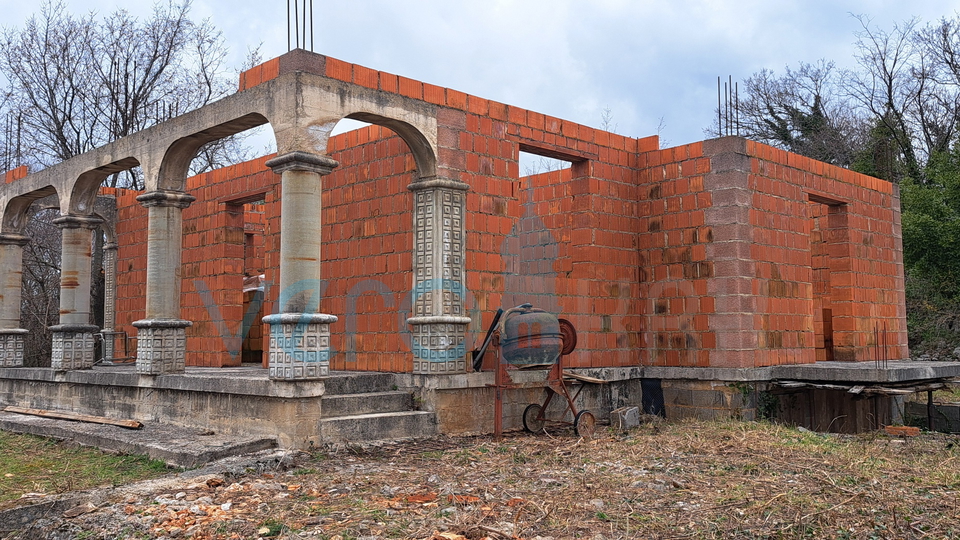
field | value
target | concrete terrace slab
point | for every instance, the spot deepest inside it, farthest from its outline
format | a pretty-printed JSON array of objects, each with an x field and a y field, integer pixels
[
  {"x": 868, "y": 372},
  {"x": 851, "y": 372},
  {"x": 178, "y": 446}
]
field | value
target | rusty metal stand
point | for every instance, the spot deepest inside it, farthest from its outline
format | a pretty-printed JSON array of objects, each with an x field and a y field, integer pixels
[{"x": 534, "y": 416}]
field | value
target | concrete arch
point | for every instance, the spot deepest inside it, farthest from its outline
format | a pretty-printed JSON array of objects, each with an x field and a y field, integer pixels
[
  {"x": 306, "y": 119},
  {"x": 83, "y": 194},
  {"x": 15, "y": 212},
  {"x": 424, "y": 153},
  {"x": 175, "y": 164}
]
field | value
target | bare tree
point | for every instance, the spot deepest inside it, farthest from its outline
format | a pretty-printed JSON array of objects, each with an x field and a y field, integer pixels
[
  {"x": 76, "y": 83},
  {"x": 888, "y": 116},
  {"x": 891, "y": 85},
  {"x": 40, "y": 300},
  {"x": 803, "y": 110}
]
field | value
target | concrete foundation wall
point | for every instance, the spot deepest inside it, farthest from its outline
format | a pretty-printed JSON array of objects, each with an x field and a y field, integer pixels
[
  {"x": 708, "y": 400},
  {"x": 289, "y": 412},
  {"x": 464, "y": 404}
]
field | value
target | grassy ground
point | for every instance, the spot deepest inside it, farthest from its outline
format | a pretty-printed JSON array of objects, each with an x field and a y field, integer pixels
[
  {"x": 701, "y": 480},
  {"x": 31, "y": 464}
]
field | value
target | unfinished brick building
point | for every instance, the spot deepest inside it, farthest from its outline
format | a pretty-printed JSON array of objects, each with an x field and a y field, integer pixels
[{"x": 700, "y": 271}]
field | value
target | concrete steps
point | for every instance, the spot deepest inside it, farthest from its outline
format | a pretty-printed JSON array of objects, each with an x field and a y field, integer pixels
[
  {"x": 365, "y": 403},
  {"x": 365, "y": 407},
  {"x": 378, "y": 426},
  {"x": 347, "y": 382}
]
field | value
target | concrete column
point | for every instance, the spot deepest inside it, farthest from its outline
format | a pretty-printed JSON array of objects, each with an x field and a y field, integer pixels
[
  {"x": 73, "y": 344},
  {"x": 299, "y": 334},
  {"x": 109, "y": 298},
  {"x": 11, "y": 271},
  {"x": 439, "y": 323},
  {"x": 161, "y": 335}
]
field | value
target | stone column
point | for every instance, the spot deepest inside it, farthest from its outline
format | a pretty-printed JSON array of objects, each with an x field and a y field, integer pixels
[
  {"x": 12, "y": 337},
  {"x": 73, "y": 343},
  {"x": 161, "y": 335},
  {"x": 438, "y": 322},
  {"x": 109, "y": 298},
  {"x": 299, "y": 334}
]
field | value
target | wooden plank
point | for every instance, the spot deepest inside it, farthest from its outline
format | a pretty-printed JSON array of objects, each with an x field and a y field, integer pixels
[
  {"x": 583, "y": 378},
  {"x": 131, "y": 424}
]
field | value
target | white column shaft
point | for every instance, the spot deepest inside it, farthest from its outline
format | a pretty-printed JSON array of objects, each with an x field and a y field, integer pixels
[
  {"x": 75, "y": 262},
  {"x": 164, "y": 242},
  {"x": 300, "y": 241}
]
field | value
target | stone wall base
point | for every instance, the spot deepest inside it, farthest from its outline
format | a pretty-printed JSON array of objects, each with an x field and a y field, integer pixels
[
  {"x": 945, "y": 416},
  {"x": 248, "y": 402},
  {"x": 709, "y": 400},
  {"x": 236, "y": 404},
  {"x": 464, "y": 403}
]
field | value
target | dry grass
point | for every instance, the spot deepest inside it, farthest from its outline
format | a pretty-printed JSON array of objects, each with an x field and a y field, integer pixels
[
  {"x": 681, "y": 480},
  {"x": 31, "y": 464}
]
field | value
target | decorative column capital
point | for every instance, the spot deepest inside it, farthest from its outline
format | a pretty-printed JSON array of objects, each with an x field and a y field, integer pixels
[
  {"x": 434, "y": 182},
  {"x": 303, "y": 161},
  {"x": 9, "y": 239},
  {"x": 165, "y": 199},
  {"x": 111, "y": 246},
  {"x": 77, "y": 222}
]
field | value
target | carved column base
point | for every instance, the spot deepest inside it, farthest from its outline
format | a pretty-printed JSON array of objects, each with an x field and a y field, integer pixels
[
  {"x": 11, "y": 347},
  {"x": 299, "y": 345},
  {"x": 109, "y": 343},
  {"x": 438, "y": 344},
  {"x": 161, "y": 346},
  {"x": 73, "y": 346}
]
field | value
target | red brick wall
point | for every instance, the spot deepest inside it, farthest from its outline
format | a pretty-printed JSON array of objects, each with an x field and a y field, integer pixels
[
  {"x": 675, "y": 270},
  {"x": 589, "y": 215},
  {"x": 743, "y": 247},
  {"x": 131, "y": 231},
  {"x": 367, "y": 249},
  {"x": 861, "y": 237},
  {"x": 15, "y": 174}
]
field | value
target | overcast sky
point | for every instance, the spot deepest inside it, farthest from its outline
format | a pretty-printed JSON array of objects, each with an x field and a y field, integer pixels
[{"x": 645, "y": 60}]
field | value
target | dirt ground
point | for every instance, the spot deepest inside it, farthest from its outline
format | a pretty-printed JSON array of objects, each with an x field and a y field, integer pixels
[{"x": 671, "y": 480}]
